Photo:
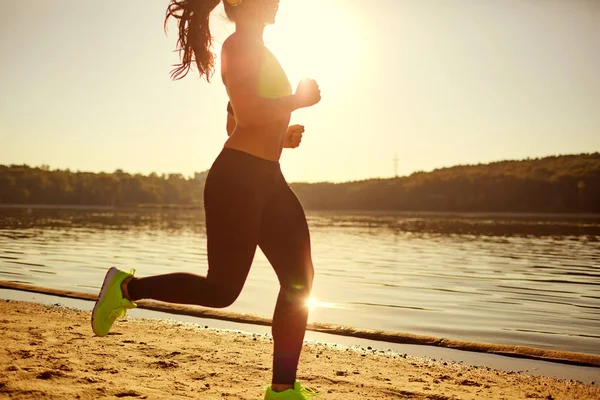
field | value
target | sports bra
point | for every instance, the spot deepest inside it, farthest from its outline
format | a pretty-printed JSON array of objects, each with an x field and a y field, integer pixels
[{"x": 273, "y": 83}]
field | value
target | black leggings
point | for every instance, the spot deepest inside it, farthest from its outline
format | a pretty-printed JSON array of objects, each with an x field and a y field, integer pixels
[{"x": 248, "y": 203}]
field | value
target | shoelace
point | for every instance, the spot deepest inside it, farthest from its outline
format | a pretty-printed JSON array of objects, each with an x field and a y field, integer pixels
[
  {"x": 118, "y": 312},
  {"x": 308, "y": 392}
]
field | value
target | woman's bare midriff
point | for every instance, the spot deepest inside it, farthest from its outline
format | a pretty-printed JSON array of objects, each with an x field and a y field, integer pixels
[{"x": 265, "y": 141}]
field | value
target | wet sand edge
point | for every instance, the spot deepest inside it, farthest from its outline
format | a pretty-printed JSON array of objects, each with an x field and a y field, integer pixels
[{"x": 579, "y": 359}]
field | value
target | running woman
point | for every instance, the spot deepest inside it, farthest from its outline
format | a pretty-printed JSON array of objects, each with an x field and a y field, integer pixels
[{"x": 247, "y": 201}]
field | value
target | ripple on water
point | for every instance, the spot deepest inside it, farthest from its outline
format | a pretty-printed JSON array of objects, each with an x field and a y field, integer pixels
[{"x": 492, "y": 279}]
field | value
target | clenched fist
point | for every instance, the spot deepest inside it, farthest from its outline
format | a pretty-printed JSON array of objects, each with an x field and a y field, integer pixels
[
  {"x": 307, "y": 93},
  {"x": 293, "y": 136}
]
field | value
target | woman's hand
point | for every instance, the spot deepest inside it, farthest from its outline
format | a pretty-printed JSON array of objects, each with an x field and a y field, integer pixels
[
  {"x": 308, "y": 93},
  {"x": 293, "y": 136}
]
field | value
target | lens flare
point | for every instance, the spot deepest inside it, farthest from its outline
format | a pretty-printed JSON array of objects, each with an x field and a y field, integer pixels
[{"x": 312, "y": 303}]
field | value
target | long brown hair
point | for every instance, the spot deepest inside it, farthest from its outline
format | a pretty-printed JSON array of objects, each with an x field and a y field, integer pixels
[{"x": 195, "y": 41}]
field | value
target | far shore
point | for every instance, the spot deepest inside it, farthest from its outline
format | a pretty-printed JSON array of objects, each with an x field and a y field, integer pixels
[{"x": 438, "y": 214}]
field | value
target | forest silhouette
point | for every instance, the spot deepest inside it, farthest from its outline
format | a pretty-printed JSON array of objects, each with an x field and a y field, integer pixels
[{"x": 556, "y": 184}]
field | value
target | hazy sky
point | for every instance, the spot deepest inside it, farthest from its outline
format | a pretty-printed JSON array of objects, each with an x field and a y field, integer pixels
[{"x": 85, "y": 85}]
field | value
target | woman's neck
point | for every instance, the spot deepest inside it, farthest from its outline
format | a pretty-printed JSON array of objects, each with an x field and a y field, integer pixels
[{"x": 250, "y": 30}]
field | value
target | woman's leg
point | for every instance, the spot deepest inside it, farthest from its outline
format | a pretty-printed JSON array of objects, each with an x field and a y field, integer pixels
[
  {"x": 285, "y": 240},
  {"x": 232, "y": 207}
]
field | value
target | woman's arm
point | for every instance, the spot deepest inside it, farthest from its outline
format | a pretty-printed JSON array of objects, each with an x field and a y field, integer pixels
[
  {"x": 230, "y": 124},
  {"x": 293, "y": 136},
  {"x": 241, "y": 66}
]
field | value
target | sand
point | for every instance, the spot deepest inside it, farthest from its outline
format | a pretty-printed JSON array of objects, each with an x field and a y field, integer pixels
[
  {"x": 527, "y": 352},
  {"x": 50, "y": 352}
]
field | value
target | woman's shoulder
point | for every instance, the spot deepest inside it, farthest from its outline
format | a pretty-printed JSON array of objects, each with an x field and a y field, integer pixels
[
  {"x": 230, "y": 41},
  {"x": 237, "y": 44},
  {"x": 240, "y": 58}
]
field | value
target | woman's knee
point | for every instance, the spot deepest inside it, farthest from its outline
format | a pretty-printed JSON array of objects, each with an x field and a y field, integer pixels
[
  {"x": 297, "y": 291},
  {"x": 224, "y": 296}
]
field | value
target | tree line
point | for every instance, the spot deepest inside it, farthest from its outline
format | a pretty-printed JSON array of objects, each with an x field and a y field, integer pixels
[
  {"x": 21, "y": 184},
  {"x": 569, "y": 183}
]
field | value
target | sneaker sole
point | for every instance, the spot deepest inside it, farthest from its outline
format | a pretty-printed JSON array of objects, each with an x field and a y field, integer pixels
[{"x": 111, "y": 272}]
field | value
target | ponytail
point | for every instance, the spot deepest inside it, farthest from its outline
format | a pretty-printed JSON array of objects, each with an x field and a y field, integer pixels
[{"x": 195, "y": 41}]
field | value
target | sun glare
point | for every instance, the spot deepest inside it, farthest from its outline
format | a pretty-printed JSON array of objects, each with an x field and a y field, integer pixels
[
  {"x": 313, "y": 303},
  {"x": 316, "y": 39}
]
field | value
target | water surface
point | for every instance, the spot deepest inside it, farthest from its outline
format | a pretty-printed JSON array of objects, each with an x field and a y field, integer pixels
[{"x": 513, "y": 279}]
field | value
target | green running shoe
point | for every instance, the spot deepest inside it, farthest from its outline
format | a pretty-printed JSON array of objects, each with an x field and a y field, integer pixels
[
  {"x": 297, "y": 393},
  {"x": 110, "y": 304}
]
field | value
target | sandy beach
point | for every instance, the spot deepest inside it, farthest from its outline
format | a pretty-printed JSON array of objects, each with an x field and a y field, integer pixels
[{"x": 50, "y": 352}]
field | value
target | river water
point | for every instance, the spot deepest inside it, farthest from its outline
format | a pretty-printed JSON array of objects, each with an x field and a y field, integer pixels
[{"x": 513, "y": 279}]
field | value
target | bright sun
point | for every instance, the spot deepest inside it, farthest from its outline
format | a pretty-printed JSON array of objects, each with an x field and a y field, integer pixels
[{"x": 316, "y": 39}]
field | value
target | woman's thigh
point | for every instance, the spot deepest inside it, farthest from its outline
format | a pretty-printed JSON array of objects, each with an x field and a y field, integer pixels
[
  {"x": 285, "y": 240},
  {"x": 232, "y": 209}
]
